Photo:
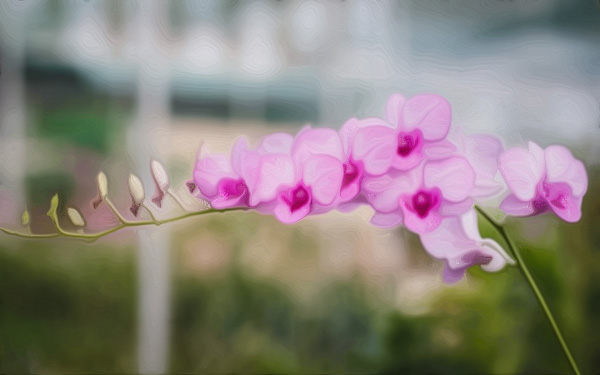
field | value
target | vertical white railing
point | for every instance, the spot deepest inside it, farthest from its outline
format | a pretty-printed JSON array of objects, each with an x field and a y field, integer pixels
[
  {"x": 151, "y": 58},
  {"x": 12, "y": 104}
]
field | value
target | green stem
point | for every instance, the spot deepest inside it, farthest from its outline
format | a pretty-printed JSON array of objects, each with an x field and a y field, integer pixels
[
  {"x": 94, "y": 236},
  {"x": 514, "y": 249}
]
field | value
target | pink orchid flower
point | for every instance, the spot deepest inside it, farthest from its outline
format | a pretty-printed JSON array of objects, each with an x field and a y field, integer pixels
[
  {"x": 353, "y": 165},
  {"x": 313, "y": 176},
  {"x": 482, "y": 152},
  {"x": 225, "y": 181},
  {"x": 414, "y": 130},
  {"x": 542, "y": 180},
  {"x": 421, "y": 197},
  {"x": 458, "y": 242}
]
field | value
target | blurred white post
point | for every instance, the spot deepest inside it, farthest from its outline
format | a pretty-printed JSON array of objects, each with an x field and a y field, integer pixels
[
  {"x": 12, "y": 103},
  {"x": 151, "y": 57}
]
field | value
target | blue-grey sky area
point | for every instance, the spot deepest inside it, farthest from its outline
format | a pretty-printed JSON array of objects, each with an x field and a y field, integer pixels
[{"x": 516, "y": 68}]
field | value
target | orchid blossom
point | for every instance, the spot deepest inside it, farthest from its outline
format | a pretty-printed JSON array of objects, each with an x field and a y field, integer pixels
[
  {"x": 458, "y": 242},
  {"x": 542, "y": 180},
  {"x": 421, "y": 197},
  {"x": 414, "y": 130}
]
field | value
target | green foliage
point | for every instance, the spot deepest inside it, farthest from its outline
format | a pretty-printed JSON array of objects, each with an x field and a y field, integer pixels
[
  {"x": 85, "y": 129},
  {"x": 66, "y": 307}
]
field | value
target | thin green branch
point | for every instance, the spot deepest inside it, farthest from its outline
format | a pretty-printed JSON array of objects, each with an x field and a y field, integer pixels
[
  {"x": 150, "y": 213},
  {"x": 52, "y": 213},
  {"x": 514, "y": 249},
  {"x": 176, "y": 199},
  {"x": 115, "y": 211},
  {"x": 29, "y": 235}
]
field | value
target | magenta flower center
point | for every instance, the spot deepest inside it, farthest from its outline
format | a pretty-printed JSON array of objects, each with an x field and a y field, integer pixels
[
  {"x": 555, "y": 194},
  {"x": 539, "y": 204},
  {"x": 298, "y": 198},
  {"x": 422, "y": 202},
  {"x": 407, "y": 142},
  {"x": 351, "y": 173},
  {"x": 229, "y": 188}
]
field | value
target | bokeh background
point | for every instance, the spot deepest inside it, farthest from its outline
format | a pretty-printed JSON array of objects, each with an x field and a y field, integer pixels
[{"x": 107, "y": 85}]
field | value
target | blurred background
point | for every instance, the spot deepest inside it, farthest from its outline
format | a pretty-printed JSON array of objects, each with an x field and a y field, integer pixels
[{"x": 107, "y": 85}]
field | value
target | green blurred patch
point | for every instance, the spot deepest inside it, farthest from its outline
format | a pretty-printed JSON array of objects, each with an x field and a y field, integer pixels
[
  {"x": 83, "y": 128},
  {"x": 66, "y": 307}
]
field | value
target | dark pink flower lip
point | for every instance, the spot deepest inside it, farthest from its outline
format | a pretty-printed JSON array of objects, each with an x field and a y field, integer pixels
[
  {"x": 297, "y": 198},
  {"x": 408, "y": 142},
  {"x": 230, "y": 189},
  {"x": 539, "y": 205},
  {"x": 353, "y": 173},
  {"x": 423, "y": 201}
]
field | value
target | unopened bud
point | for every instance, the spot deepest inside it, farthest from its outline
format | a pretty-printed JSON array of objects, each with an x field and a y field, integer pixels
[
  {"x": 25, "y": 219},
  {"x": 102, "y": 189},
  {"x": 160, "y": 176},
  {"x": 161, "y": 179},
  {"x": 102, "y": 185},
  {"x": 75, "y": 217},
  {"x": 136, "y": 189}
]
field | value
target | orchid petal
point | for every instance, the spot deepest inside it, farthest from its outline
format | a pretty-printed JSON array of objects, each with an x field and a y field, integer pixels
[
  {"x": 285, "y": 215},
  {"x": 394, "y": 107},
  {"x": 495, "y": 247},
  {"x": 522, "y": 171},
  {"x": 448, "y": 240},
  {"x": 429, "y": 113},
  {"x": 387, "y": 220},
  {"x": 420, "y": 225},
  {"x": 384, "y": 191},
  {"x": 323, "y": 174},
  {"x": 275, "y": 172},
  {"x": 453, "y": 176},
  {"x": 438, "y": 150},
  {"x": 314, "y": 142},
  {"x": 277, "y": 143},
  {"x": 376, "y": 147},
  {"x": 347, "y": 133},
  {"x": 483, "y": 151},
  {"x": 563, "y": 203},
  {"x": 452, "y": 276},
  {"x": 209, "y": 171},
  {"x": 561, "y": 166},
  {"x": 516, "y": 207},
  {"x": 237, "y": 154},
  {"x": 455, "y": 208}
]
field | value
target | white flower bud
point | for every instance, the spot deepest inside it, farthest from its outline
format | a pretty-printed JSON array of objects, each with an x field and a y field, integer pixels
[
  {"x": 136, "y": 189},
  {"x": 75, "y": 217},
  {"x": 102, "y": 185},
  {"x": 102, "y": 189},
  {"x": 160, "y": 176},
  {"x": 161, "y": 179}
]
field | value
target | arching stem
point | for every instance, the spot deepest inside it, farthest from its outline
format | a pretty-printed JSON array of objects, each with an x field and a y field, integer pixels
[{"x": 514, "y": 249}]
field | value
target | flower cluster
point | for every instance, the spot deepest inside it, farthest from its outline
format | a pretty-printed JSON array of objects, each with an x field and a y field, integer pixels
[{"x": 409, "y": 168}]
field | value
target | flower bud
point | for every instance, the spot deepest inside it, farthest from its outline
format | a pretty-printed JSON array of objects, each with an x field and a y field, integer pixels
[
  {"x": 161, "y": 179},
  {"x": 25, "y": 219},
  {"x": 75, "y": 217},
  {"x": 102, "y": 185},
  {"x": 160, "y": 176},
  {"x": 102, "y": 189},
  {"x": 136, "y": 189}
]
